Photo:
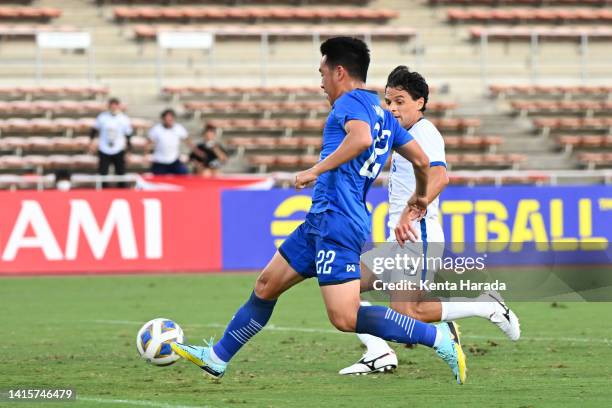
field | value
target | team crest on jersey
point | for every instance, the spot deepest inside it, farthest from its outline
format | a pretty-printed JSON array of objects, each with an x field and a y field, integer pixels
[{"x": 351, "y": 268}]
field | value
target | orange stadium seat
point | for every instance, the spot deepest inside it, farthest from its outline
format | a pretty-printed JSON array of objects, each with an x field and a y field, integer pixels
[
  {"x": 550, "y": 90},
  {"x": 29, "y": 13},
  {"x": 553, "y": 33},
  {"x": 523, "y": 2},
  {"x": 535, "y": 15},
  {"x": 241, "y": 14}
]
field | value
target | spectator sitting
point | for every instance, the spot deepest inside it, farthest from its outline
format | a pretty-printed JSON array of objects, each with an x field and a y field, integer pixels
[
  {"x": 166, "y": 137},
  {"x": 209, "y": 154}
]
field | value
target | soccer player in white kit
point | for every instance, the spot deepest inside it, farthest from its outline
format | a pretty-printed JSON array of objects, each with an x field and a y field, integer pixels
[{"x": 406, "y": 95}]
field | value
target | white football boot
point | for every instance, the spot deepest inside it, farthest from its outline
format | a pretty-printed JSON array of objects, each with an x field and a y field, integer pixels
[
  {"x": 370, "y": 363},
  {"x": 503, "y": 317}
]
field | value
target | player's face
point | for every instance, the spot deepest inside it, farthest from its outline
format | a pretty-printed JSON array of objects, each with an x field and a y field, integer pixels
[
  {"x": 328, "y": 80},
  {"x": 168, "y": 120},
  {"x": 405, "y": 109},
  {"x": 114, "y": 108}
]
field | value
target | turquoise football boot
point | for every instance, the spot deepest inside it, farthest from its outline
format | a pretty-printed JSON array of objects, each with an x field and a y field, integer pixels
[
  {"x": 450, "y": 350},
  {"x": 200, "y": 356}
]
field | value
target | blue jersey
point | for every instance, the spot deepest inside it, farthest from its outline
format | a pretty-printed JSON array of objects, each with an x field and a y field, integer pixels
[{"x": 344, "y": 189}]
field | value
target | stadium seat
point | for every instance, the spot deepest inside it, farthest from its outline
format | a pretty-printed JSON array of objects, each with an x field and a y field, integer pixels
[
  {"x": 29, "y": 13},
  {"x": 36, "y": 92},
  {"x": 550, "y": 33},
  {"x": 554, "y": 91},
  {"x": 320, "y": 14},
  {"x": 535, "y": 15}
]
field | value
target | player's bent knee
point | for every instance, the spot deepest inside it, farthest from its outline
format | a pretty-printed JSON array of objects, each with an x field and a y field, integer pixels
[
  {"x": 265, "y": 288},
  {"x": 342, "y": 321}
]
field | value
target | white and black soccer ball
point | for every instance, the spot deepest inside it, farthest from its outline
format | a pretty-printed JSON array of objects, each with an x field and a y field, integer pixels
[{"x": 154, "y": 339}]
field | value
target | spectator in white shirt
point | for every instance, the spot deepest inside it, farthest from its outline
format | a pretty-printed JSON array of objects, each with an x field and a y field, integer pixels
[
  {"x": 110, "y": 136},
  {"x": 166, "y": 138}
]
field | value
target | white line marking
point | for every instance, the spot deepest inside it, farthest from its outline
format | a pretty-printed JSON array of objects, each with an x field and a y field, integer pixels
[
  {"x": 139, "y": 403},
  {"x": 332, "y": 331}
]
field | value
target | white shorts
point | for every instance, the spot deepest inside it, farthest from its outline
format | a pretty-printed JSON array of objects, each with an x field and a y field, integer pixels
[{"x": 422, "y": 255}]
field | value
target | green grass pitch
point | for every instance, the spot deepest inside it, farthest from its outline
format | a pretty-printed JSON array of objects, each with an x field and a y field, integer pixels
[{"x": 80, "y": 332}]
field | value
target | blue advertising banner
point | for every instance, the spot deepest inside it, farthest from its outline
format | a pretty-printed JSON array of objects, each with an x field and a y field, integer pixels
[{"x": 569, "y": 222}]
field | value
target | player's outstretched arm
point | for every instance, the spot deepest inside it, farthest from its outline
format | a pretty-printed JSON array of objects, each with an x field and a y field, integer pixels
[
  {"x": 358, "y": 138},
  {"x": 412, "y": 152},
  {"x": 417, "y": 205},
  {"x": 438, "y": 180}
]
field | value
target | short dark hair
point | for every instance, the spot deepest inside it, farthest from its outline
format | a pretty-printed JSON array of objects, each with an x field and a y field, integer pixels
[
  {"x": 114, "y": 100},
  {"x": 210, "y": 127},
  {"x": 411, "y": 82},
  {"x": 351, "y": 53},
  {"x": 167, "y": 112}
]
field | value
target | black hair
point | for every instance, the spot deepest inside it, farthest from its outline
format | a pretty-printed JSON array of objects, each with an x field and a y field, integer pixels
[
  {"x": 209, "y": 127},
  {"x": 411, "y": 82},
  {"x": 114, "y": 100},
  {"x": 167, "y": 112},
  {"x": 351, "y": 53}
]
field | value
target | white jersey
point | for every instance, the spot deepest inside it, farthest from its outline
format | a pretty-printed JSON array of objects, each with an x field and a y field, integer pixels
[
  {"x": 113, "y": 131},
  {"x": 167, "y": 142},
  {"x": 402, "y": 182}
]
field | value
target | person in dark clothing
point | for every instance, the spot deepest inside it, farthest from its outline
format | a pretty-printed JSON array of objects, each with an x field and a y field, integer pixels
[{"x": 208, "y": 155}]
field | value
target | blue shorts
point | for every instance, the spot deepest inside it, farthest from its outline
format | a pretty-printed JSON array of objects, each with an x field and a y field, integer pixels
[{"x": 326, "y": 245}]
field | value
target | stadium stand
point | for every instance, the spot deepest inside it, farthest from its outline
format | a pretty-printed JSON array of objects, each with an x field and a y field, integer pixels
[
  {"x": 535, "y": 15},
  {"x": 29, "y": 13},
  {"x": 255, "y": 14},
  {"x": 270, "y": 116}
]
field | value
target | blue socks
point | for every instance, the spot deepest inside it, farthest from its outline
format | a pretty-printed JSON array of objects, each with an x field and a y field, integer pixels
[
  {"x": 383, "y": 322},
  {"x": 246, "y": 323}
]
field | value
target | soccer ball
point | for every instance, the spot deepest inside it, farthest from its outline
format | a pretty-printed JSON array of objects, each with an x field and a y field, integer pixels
[{"x": 154, "y": 339}]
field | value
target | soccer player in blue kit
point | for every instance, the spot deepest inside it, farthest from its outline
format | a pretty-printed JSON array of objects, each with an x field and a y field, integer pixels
[{"x": 357, "y": 139}]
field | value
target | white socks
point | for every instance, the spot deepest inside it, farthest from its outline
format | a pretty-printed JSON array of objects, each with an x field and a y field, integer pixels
[
  {"x": 375, "y": 345},
  {"x": 459, "y": 308}
]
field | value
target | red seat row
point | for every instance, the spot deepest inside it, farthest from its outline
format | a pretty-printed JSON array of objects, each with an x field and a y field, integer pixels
[
  {"x": 532, "y": 15},
  {"x": 30, "y": 30},
  {"x": 550, "y": 33},
  {"x": 480, "y": 160},
  {"x": 43, "y": 143},
  {"x": 252, "y": 13},
  {"x": 255, "y": 106},
  {"x": 571, "y": 142},
  {"x": 582, "y": 124},
  {"x": 557, "y": 107},
  {"x": 594, "y": 160},
  {"x": 59, "y": 125},
  {"x": 273, "y": 142},
  {"x": 48, "y": 108},
  {"x": 29, "y": 13},
  {"x": 521, "y": 2},
  {"x": 241, "y": 91},
  {"x": 268, "y": 124},
  {"x": 549, "y": 90},
  {"x": 31, "y": 92},
  {"x": 573, "y": 123},
  {"x": 83, "y": 162},
  {"x": 236, "y": 2},
  {"x": 150, "y": 32},
  {"x": 476, "y": 179},
  {"x": 284, "y": 161},
  {"x": 472, "y": 142}
]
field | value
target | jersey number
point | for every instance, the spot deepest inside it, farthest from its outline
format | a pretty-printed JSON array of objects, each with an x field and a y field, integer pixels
[
  {"x": 370, "y": 168},
  {"x": 324, "y": 259}
]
